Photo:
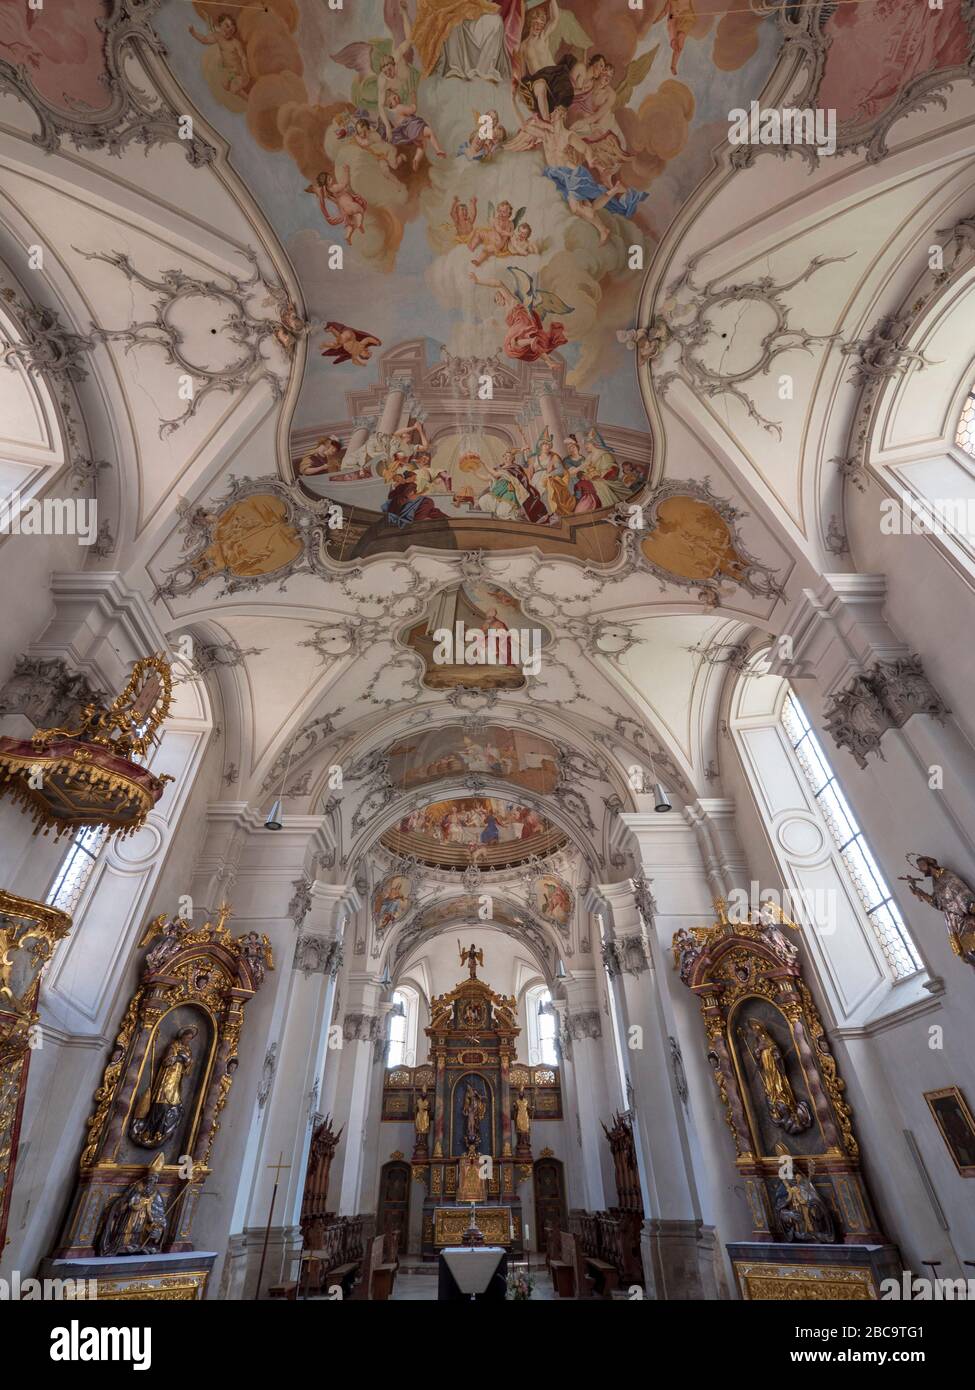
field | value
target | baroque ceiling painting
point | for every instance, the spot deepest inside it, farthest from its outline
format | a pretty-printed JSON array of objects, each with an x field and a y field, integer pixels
[
  {"x": 468, "y": 237},
  {"x": 516, "y": 755},
  {"x": 486, "y": 524},
  {"x": 481, "y": 830}
]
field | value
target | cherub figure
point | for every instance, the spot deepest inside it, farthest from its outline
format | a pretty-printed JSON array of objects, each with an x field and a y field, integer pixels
[
  {"x": 521, "y": 243},
  {"x": 493, "y": 239},
  {"x": 464, "y": 218},
  {"x": 349, "y": 344},
  {"x": 486, "y": 138},
  {"x": 231, "y": 51},
  {"x": 351, "y": 207},
  {"x": 373, "y": 143}
]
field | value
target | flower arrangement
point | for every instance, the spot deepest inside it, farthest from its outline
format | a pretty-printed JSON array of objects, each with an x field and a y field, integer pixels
[{"x": 520, "y": 1287}]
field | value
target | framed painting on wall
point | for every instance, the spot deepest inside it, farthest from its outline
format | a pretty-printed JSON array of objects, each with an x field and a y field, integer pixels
[{"x": 954, "y": 1119}]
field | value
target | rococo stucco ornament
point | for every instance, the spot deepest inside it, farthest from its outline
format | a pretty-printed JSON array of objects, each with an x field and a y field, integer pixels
[
  {"x": 131, "y": 114},
  {"x": 884, "y": 698}
]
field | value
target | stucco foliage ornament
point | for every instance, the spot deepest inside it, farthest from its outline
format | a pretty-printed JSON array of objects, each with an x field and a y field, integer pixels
[
  {"x": 684, "y": 334},
  {"x": 883, "y": 698},
  {"x": 176, "y": 303},
  {"x": 133, "y": 114}
]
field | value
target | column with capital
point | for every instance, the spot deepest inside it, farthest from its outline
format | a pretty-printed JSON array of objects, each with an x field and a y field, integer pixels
[
  {"x": 679, "y": 1254},
  {"x": 587, "y": 1086},
  {"x": 306, "y": 1049},
  {"x": 505, "y": 1103},
  {"x": 440, "y": 1054}
]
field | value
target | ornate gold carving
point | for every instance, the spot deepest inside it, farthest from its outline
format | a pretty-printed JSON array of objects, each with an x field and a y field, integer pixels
[
  {"x": 450, "y": 1223},
  {"x": 827, "y": 1065},
  {"x": 789, "y": 1283}
]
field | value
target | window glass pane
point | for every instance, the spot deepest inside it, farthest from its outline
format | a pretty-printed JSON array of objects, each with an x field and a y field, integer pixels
[
  {"x": 77, "y": 868},
  {"x": 871, "y": 886},
  {"x": 835, "y": 812}
]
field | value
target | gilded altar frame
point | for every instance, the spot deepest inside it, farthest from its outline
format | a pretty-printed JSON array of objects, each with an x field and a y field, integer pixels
[
  {"x": 736, "y": 966},
  {"x": 199, "y": 972}
]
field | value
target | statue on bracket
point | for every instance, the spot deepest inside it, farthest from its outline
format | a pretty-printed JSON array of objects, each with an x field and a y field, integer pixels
[{"x": 951, "y": 895}]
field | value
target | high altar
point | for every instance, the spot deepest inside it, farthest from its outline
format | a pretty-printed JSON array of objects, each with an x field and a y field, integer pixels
[{"x": 473, "y": 1140}]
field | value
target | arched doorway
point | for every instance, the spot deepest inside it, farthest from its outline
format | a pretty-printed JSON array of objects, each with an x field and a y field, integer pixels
[
  {"x": 550, "y": 1209},
  {"x": 394, "y": 1202}
]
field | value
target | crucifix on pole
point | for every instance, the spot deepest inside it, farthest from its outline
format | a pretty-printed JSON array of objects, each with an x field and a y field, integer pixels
[{"x": 270, "y": 1216}]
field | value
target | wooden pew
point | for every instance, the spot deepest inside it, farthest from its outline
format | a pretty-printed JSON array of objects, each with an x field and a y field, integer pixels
[
  {"x": 377, "y": 1278},
  {"x": 569, "y": 1270}
]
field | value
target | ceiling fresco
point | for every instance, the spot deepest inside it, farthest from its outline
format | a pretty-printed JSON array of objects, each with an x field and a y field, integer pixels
[
  {"x": 481, "y": 830},
  {"x": 470, "y": 193},
  {"x": 516, "y": 755}
]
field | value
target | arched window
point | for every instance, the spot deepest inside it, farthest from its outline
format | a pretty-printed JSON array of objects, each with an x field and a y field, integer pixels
[
  {"x": 871, "y": 886},
  {"x": 542, "y": 1023},
  {"x": 401, "y": 1050},
  {"x": 866, "y": 960}
]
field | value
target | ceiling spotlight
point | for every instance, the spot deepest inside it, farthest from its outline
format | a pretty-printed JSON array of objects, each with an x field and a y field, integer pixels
[
  {"x": 661, "y": 801},
  {"x": 560, "y": 969},
  {"x": 273, "y": 821},
  {"x": 386, "y": 978}
]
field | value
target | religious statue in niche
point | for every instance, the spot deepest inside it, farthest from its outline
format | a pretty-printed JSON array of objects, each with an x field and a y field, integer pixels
[
  {"x": 161, "y": 1107},
  {"x": 767, "y": 1047},
  {"x": 802, "y": 1214},
  {"x": 522, "y": 1121},
  {"x": 473, "y": 1111},
  {"x": 951, "y": 895},
  {"x": 471, "y": 1188},
  {"x": 164, "y": 1087},
  {"x": 784, "y": 1110},
  {"x": 135, "y": 1222}
]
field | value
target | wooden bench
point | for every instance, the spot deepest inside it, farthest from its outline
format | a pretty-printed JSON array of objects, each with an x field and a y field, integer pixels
[
  {"x": 568, "y": 1271},
  {"x": 605, "y": 1276},
  {"x": 377, "y": 1279}
]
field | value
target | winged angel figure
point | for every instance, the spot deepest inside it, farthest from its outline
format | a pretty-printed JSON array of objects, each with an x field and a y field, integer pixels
[{"x": 527, "y": 306}]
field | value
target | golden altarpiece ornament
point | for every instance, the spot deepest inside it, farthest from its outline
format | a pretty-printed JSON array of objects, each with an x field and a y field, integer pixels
[
  {"x": 470, "y": 1106},
  {"x": 29, "y": 932},
  {"x": 157, "y": 1111},
  {"x": 796, "y": 1150}
]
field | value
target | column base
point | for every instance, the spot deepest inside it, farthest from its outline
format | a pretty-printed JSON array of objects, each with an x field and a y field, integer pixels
[
  {"x": 244, "y": 1261},
  {"x": 682, "y": 1260}
]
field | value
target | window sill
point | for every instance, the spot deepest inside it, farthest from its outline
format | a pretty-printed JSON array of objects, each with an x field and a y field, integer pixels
[{"x": 900, "y": 1003}]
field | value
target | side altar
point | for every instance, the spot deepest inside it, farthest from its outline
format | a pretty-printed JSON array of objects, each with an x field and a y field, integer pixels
[{"x": 473, "y": 1134}]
